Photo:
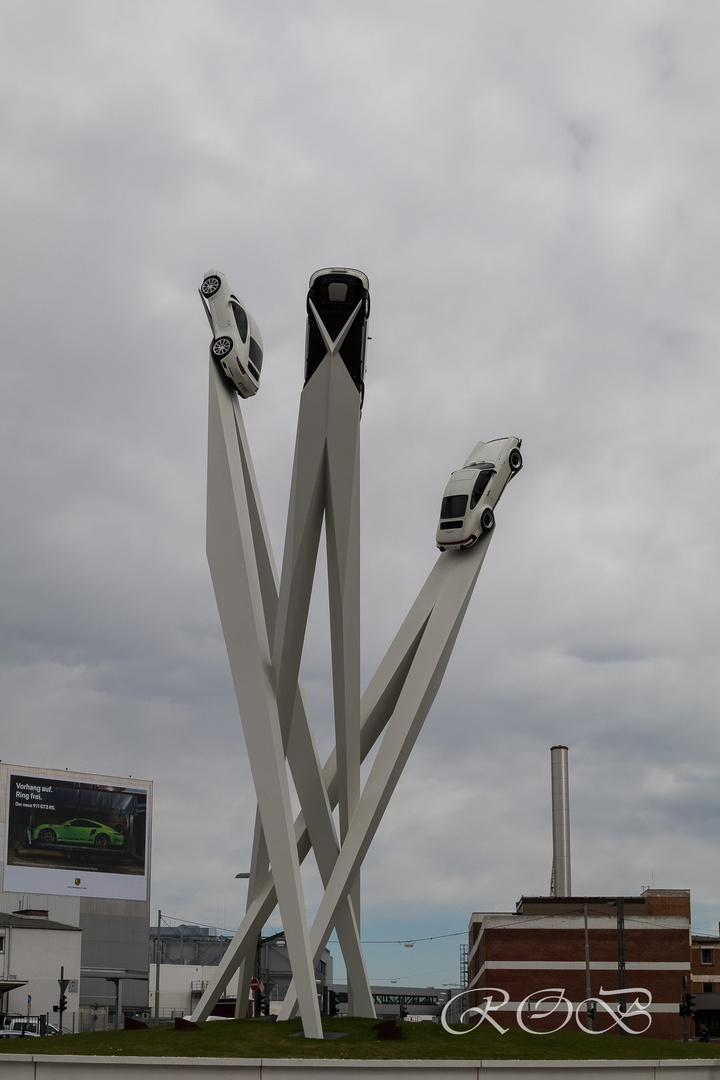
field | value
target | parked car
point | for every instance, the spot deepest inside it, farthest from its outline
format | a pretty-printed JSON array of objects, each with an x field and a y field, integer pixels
[
  {"x": 338, "y": 306},
  {"x": 79, "y": 831},
  {"x": 469, "y": 501},
  {"x": 17, "y": 1027},
  {"x": 237, "y": 343}
]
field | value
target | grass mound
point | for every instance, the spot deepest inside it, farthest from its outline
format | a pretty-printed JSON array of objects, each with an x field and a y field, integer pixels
[{"x": 424, "y": 1041}]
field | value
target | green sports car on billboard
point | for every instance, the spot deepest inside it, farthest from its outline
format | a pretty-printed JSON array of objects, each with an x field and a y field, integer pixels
[{"x": 79, "y": 831}]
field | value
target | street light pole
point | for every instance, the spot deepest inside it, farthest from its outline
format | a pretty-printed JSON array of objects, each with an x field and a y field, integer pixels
[{"x": 240, "y": 1004}]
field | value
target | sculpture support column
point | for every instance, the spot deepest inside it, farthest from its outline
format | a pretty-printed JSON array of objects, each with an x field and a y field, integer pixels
[
  {"x": 238, "y": 592},
  {"x": 264, "y": 624},
  {"x": 447, "y": 599},
  {"x": 230, "y": 448}
]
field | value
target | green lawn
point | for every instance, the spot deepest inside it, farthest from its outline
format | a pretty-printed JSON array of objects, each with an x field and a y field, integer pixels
[{"x": 250, "y": 1039}]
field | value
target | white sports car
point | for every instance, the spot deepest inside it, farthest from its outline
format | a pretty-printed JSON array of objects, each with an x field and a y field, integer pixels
[
  {"x": 473, "y": 491},
  {"x": 237, "y": 343}
]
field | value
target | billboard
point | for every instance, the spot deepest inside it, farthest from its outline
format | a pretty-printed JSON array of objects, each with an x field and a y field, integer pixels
[{"x": 67, "y": 835}]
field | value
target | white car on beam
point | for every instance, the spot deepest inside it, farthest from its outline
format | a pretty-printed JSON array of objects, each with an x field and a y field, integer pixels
[
  {"x": 237, "y": 343},
  {"x": 469, "y": 501}
]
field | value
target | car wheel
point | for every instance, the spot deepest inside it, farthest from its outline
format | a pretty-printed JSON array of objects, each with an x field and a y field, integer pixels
[
  {"x": 221, "y": 347},
  {"x": 48, "y": 836},
  {"x": 210, "y": 286},
  {"x": 515, "y": 460},
  {"x": 101, "y": 840},
  {"x": 487, "y": 520}
]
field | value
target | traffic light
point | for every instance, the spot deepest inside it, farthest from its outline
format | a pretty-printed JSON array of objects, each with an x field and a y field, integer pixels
[
  {"x": 63, "y": 1003},
  {"x": 690, "y": 1003}
]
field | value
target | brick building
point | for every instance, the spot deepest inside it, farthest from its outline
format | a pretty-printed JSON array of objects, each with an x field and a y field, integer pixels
[
  {"x": 542, "y": 946},
  {"x": 705, "y": 982}
]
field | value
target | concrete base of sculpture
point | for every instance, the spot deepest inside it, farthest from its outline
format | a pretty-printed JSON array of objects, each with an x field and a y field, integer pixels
[{"x": 29, "y": 1067}]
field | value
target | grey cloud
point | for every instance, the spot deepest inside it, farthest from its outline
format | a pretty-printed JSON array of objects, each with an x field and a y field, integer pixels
[{"x": 513, "y": 293}]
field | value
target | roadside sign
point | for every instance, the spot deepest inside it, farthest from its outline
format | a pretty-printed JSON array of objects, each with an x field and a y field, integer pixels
[{"x": 254, "y": 984}]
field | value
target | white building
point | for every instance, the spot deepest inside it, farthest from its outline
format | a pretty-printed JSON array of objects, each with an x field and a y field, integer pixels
[
  {"x": 33, "y": 952},
  {"x": 182, "y": 981},
  {"x": 181, "y": 986}
]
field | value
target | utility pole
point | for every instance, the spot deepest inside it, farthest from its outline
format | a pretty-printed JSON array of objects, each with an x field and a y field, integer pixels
[
  {"x": 588, "y": 991},
  {"x": 622, "y": 1004},
  {"x": 157, "y": 969}
]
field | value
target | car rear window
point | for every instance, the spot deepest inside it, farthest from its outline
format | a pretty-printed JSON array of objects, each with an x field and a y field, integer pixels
[
  {"x": 337, "y": 292},
  {"x": 453, "y": 506}
]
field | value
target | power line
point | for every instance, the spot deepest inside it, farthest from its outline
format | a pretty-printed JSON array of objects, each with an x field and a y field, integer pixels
[
  {"x": 407, "y": 940},
  {"x": 333, "y": 940},
  {"x": 194, "y": 922}
]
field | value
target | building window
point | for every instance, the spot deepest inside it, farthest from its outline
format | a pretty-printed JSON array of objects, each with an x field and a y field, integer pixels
[
  {"x": 2, "y": 944},
  {"x": 707, "y": 988},
  {"x": 706, "y": 956}
]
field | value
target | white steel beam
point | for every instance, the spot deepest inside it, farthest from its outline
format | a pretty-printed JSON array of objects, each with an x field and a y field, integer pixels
[
  {"x": 301, "y": 750},
  {"x": 456, "y": 577},
  {"x": 342, "y": 533},
  {"x": 377, "y": 706},
  {"x": 236, "y": 582},
  {"x": 326, "y": 482}
]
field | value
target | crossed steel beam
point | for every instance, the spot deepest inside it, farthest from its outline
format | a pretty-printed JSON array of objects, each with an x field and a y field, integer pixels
[{"x": 264, "y": 626}]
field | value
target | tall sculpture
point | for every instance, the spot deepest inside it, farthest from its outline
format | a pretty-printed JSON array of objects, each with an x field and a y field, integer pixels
[{"x": 264, "y": 621}]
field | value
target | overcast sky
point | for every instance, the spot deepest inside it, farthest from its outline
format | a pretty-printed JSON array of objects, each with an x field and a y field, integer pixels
[{"x": 532, "y": 188}]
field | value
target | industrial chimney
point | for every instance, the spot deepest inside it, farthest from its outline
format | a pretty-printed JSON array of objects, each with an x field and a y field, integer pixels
[{"x": 560, "y": 821}]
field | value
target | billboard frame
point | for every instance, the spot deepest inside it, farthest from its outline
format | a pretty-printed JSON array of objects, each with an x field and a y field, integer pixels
[{"x": 68, "y": 833}]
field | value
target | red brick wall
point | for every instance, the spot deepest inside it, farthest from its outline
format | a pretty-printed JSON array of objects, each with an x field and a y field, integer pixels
[
  {"x": 672, "y": 904},
  {"x": 558, "y": 944},
  {"x": 569, "y": 944}
]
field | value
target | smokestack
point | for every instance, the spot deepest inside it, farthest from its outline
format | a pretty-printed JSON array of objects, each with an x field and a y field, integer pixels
[{"x": 560, "y": 821}]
